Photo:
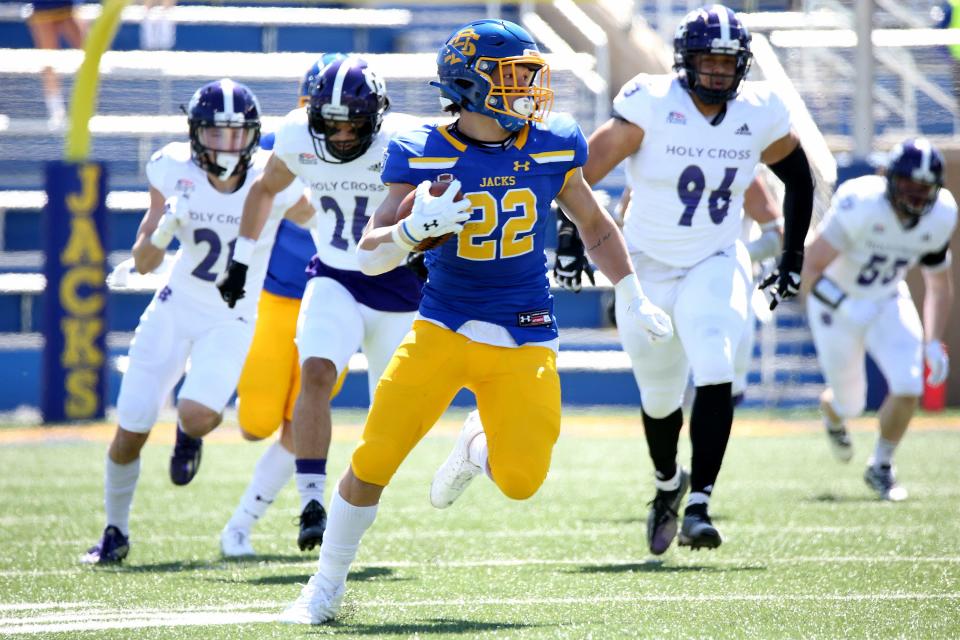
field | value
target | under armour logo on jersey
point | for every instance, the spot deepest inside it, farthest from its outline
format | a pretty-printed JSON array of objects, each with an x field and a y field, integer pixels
[
  {"x": 517, "y": 165},
  {"x": 164, "y": 294},
  {"x": 433, "y": 224},
  {"x": 744, "y": 130},
  {"x": 676, "y": 117}
]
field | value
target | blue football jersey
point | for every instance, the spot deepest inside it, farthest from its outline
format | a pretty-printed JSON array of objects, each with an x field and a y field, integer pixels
[{"x": 495, "y": 270}]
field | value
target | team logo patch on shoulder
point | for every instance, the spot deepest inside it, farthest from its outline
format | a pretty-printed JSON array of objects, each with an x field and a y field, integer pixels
[
  {"x": 744, "y": 130},
  {"x": 541, "y": 318},
  {"x": 307, "y": 158},
  {"x": 675, "y": 117},
  {"x": 184, "y": 187}
]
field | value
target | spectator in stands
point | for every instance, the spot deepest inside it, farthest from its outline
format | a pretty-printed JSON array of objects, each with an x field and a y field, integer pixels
[
  {"x": 157, "y": 30},
  {"x": 50, "y": 22}
]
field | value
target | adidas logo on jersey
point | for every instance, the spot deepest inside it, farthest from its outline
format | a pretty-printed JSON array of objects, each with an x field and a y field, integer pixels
[
  {"x": 744, "y": 130},
  {"x": 676, "y": 117},
  {"x": 376, "y": 166}
]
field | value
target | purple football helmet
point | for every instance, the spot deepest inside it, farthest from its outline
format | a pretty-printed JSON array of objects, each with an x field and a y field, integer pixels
[
  {"x": 712, "y": 30},
  {"x": 346, "y": 91}
]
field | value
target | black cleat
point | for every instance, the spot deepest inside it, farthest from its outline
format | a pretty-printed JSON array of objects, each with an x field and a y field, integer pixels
[
  {"x": 185, "y": 461},
  {"x": 112, "y": 548},
  {"x": 697, "y": 531},
  {"x": 313, "y": 522},
  {"x": 662, "y": 519}
]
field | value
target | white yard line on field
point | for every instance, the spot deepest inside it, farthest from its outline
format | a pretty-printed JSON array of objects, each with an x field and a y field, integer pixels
[{"x": 103, "y": 619}]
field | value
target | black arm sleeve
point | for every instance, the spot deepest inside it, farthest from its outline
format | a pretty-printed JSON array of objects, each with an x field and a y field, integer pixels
[
  {"x": 936, "y": 258},
  {"x": 798, "y": 184}
]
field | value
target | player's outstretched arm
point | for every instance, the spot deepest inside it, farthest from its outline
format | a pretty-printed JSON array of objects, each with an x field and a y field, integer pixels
[
  {"x": 937, "y": 301},
  {"x": 788, "y": 161},
  {"x": 147, "y": 256},
  {"x": 607, "y": 249},
  {"x": 609, "y": 145}
]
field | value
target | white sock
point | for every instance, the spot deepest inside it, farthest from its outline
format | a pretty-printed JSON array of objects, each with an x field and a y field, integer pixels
[
  {"x": 883, "y": 452},
  {"x": 671, "y": 484},
  {"x": 311, "y": 486},
  {"x": 698, "y": 497},
  {"x": 56, "y": 107},
  {"x": 346, "y": 525},
  {"x": 119, "y": 483},
  {"x": 274, "y": 469}
]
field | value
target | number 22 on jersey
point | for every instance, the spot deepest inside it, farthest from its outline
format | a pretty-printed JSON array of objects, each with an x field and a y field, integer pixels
[{"x": 516, "y": 238}]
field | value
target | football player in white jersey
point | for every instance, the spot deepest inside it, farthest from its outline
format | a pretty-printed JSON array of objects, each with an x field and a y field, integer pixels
[
  {"x": 692, "y": 141},
  {"x": 196, "y": 194},
  {"x": 877, "y": 229},
  {"x": 336, "y": 145}
]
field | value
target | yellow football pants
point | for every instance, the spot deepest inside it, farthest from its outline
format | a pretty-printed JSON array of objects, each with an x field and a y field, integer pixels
[
  {"x": 518, "y": 395},
  {"x": 270, "y": 382}
]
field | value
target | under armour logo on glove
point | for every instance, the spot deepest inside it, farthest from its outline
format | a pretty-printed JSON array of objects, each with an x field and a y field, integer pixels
[
  {"x": 786, "y": 278},
  {"x": 433, "y": 224}
]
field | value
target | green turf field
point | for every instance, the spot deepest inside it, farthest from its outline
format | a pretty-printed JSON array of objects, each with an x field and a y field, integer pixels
[{"x": 808, "y": 551}]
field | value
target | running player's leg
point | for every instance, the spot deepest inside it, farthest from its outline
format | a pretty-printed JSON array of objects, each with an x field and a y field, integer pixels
[
  {"x": 329, "y": 331},
  {"x": 895, "y": 341},
  {"x": 156, "y": 362}
]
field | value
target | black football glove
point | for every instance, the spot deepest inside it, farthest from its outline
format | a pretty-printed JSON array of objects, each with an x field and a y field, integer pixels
[
  {"x": 415, "y": 262},
  {"x": 230, "y": 283},
  {"x": 785, "y": 278},
  {"x": 571, "y": 262}
]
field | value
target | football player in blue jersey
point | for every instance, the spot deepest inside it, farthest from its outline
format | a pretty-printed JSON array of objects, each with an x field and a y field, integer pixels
[
  {"x": 486, "y": 319},
  {"x": 270, "y": 382}
]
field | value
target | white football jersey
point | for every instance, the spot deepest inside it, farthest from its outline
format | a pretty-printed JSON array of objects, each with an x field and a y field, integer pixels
[
  {"x": 876, "y": 251},
  {"x": 207, "y": 241},
  {"x": 688, "y": 177},
  {"x": 345, "y": 195}
]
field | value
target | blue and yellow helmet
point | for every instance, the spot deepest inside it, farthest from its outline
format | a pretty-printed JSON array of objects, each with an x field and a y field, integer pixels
[{"x": 477, "y": 71}]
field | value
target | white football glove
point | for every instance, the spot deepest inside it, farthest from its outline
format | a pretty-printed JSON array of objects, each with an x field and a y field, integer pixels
[
  {"x": 176, "y": 213},
  {"x": 433, "y": 216},
  {"x": 648, "y": 316},
  {"x": 938, "y": 361}
]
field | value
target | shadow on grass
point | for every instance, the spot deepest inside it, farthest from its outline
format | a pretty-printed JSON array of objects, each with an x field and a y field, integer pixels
[
  {"x": 837, "y": 497},
  {"x": 367, "y": 574},
  {"x": 658, "y": 566},
  {"x": 424, "y": 627}
]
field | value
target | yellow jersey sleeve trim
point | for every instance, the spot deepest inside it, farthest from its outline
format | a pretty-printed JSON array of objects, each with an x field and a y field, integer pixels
[
  {"x": 553, "y": 156},
  {"x": 432, "y": 163},
  {"x": 456, "y": 144},
  {"x": 566, "y": 178},
  {"x": 522, "y": 137}
]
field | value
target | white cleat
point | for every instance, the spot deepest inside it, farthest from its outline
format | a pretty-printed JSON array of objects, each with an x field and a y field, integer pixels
[
  {"x": 235, "y": 543},
  {"x": 453, "y": 476},
  {"x": 316, "y": 604},
  {"x": 883, "y": 481}
]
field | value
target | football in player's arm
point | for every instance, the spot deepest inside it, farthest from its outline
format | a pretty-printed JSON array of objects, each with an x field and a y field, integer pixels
[
  {"x": 692, "y": 141},
  {"x": 486, "y": 320},
  {"x": 196, "y": 189},
  {"x": 878, "y": 228},
  {"x": 335, "y": 143}
]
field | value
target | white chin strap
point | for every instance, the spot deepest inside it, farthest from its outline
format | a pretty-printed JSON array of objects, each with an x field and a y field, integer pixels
[{"x": 228, "y": 161}]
